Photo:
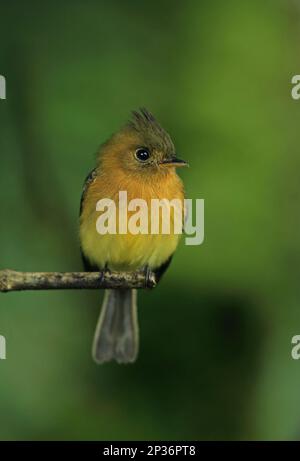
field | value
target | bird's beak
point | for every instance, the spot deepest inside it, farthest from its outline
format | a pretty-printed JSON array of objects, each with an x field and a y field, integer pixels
[{"x": 176, "y": 162}]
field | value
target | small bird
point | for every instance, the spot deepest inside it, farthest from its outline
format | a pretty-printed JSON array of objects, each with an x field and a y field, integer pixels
[{"x": 141, "y": 160}]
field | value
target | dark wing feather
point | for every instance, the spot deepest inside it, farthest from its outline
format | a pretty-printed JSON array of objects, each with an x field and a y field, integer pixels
[
  {"x": 89, "y": 179},
  {"x": 159, "y": 272}
]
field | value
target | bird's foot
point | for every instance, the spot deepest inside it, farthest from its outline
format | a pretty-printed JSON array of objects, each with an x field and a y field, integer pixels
[
  {"x": 148, "y": 277},
  {"x": 106, "y": 272}
]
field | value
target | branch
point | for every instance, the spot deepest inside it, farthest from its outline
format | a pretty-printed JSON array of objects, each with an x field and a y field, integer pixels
[{"x": 18, "y": 281}]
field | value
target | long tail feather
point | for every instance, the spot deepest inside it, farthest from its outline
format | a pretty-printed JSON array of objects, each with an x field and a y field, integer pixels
[{"x": 116, "y": 336}]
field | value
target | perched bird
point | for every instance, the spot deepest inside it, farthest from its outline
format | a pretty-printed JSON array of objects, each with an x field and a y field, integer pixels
[{"x": 141, "y": 160}]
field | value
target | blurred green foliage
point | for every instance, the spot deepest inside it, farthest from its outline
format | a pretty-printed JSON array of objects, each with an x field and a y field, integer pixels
[{"x": 215, "y": 357}]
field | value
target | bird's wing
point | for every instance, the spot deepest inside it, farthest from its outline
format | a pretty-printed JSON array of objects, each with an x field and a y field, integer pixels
[
  {"x": 159, "y": 272},
  {"x": 88, "y": 180}
]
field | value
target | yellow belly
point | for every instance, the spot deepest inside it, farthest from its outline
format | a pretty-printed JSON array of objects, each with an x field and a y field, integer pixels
[{"x": 127, "y": 252}]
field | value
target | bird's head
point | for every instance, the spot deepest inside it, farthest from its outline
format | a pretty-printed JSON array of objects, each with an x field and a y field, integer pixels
[{"x": 141, "y": 146}]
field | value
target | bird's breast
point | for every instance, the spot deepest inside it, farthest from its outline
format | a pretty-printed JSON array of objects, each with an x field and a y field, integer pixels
[{"x": 130, "y": 251}]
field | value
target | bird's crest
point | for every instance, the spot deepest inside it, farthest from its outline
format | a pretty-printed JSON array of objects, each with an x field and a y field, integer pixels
[{"x": 146, "y": 124}]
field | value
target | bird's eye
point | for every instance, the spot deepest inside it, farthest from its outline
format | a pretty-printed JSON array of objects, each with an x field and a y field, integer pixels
[{"x": 142, "y": 154}]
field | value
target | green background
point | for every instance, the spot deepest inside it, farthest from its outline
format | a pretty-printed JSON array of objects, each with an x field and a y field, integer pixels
[{"x": 215, "y": 359}]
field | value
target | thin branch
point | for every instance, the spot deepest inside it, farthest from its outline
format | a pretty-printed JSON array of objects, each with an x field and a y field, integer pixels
[{"x": 19, "y": 281}]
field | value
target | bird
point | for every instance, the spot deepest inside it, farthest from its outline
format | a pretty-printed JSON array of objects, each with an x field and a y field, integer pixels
[{"x": 140, "y": 159}]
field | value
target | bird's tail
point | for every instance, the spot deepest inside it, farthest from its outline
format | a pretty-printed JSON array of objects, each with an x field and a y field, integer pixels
[{"x": 117, "y": 335}]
